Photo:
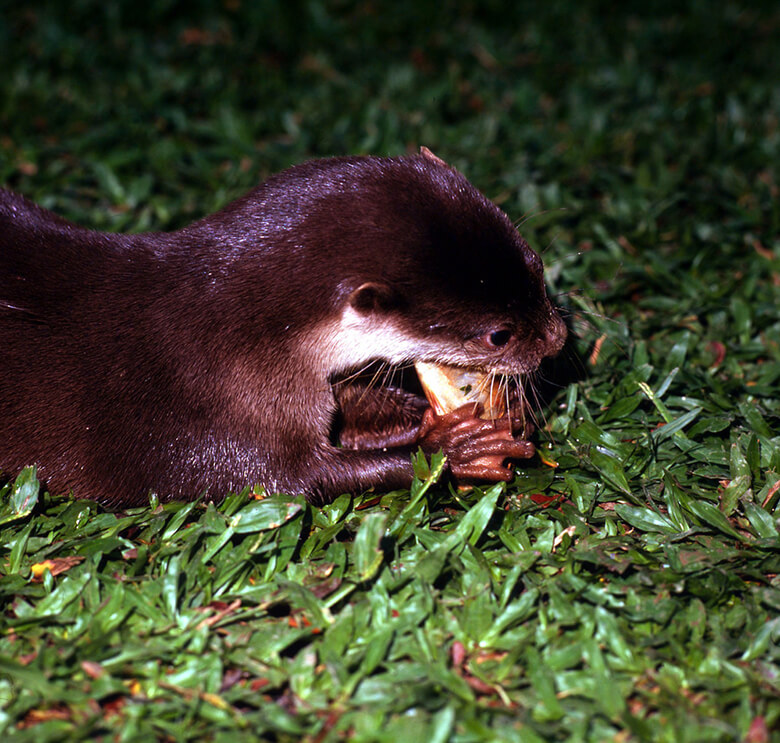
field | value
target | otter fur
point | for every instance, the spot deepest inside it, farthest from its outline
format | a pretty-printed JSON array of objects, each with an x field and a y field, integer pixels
[{"x": 205, "y": 360}]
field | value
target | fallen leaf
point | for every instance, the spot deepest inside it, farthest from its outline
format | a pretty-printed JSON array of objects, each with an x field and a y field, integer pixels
[{"x": 55, "y": 566}]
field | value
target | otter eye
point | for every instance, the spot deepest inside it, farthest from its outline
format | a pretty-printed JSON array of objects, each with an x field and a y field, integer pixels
[{"x": 499, "y": 338}]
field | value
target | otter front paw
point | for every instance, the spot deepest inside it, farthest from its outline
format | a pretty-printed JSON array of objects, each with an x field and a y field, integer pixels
[
  {"x": 476, "y": 449},
  {"x": 522, "y": 418}
]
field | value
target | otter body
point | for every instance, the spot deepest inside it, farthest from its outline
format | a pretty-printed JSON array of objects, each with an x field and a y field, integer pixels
[{"x": 204, "y": 360}]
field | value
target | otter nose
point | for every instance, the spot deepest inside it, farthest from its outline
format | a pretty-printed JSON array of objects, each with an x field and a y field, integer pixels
[{"x": 554, "y": 333}]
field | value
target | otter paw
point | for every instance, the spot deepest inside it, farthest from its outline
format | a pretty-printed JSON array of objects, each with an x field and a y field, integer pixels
[{"x": 476, "y": 449}]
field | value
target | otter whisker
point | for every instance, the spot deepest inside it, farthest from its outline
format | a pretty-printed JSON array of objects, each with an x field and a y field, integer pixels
[
  {"x": 374, "y": 381},
  {"x": 354, "y": 375}
]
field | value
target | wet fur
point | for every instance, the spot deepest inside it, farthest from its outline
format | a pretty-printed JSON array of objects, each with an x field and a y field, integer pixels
[{"x": 202, "y": 360}]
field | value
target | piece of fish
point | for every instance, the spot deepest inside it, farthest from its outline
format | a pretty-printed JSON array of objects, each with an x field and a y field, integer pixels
[{"x": 450, "y": 387}]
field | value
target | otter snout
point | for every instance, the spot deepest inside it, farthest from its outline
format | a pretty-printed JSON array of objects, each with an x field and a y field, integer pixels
[{"x": 554, "y": 334}]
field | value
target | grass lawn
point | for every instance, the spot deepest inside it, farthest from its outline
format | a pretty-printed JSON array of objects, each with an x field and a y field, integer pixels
[{"x": 630, "y": 593}]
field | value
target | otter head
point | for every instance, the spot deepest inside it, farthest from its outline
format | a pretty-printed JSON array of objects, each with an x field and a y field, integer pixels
[{"x": 440, "y": 275}]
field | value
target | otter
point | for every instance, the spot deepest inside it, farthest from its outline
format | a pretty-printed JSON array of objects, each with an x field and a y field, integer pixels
[{"x": 217, "y": 356}]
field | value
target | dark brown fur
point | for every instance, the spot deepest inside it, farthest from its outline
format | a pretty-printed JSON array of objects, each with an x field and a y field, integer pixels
[{"x": 202, "y": 360}]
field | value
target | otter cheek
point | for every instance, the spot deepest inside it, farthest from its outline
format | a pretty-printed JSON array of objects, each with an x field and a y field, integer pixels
[{"x": 450, "y": 387}]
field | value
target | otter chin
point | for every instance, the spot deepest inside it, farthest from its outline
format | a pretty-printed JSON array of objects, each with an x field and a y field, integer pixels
[{"x": 229, "y": 353}]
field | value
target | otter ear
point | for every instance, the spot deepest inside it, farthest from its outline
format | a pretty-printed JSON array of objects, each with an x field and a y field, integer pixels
[
  {"x": 371, "y": 297},
  {"x": 428, "y": 155}
]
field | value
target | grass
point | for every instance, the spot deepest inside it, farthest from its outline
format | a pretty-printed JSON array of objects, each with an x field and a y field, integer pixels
[{"x": 631, "y": 593}]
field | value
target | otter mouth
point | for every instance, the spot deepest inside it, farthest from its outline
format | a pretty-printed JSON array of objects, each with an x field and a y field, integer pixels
[
  {"x": 445, "y": 387},
  {"x": 381, "y": 405},
  {"x": 450, "y": 387}
]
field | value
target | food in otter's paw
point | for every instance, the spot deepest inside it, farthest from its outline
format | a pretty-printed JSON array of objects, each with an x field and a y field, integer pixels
[{"x": 449, "y": 387}]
